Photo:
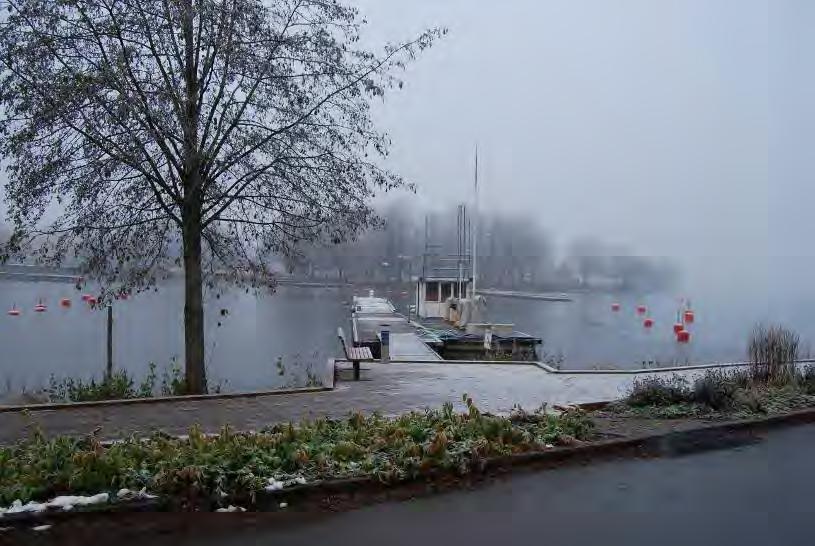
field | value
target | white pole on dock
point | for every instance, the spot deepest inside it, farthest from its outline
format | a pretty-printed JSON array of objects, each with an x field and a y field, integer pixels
[{"x": 475, "y": 227}]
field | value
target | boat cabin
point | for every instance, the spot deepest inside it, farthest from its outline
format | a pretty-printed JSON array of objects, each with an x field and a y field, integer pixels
[{"x": 434, "y": 296}]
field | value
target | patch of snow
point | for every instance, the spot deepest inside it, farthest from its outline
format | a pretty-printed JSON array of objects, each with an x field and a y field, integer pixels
[
  {"x": 41, "y": 528},
  {"x": 231, "y": 509},
  {"x": 66, "y": 502},
  {"x": 17, "y": 507},
  {"x": 276, "y": 485},
  {"x": 127, "y": 494},
  {"x": 284, "y": 505},
  {"x": 69, "y": 501}
]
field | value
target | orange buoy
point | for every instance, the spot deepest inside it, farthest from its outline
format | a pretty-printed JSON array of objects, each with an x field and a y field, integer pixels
[
  {"x": 683, "y": 336},
  {"x": 14, "y": 312},
  {"x": 616, "y": 307},
  {"x": 40, "y": 307},
  {"x": 648, "y": 323},
  {"x": 65, "y": 302},
  {"x": 679, "y": 327},
  {"x": 690, "y": 317},
  {"x": 641, "y": 309}
]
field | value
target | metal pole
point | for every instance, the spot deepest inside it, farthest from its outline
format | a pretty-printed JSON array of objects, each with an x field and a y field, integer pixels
[
  {"x": 109, "y": 370},
  {"x": 475, "y": 227}
]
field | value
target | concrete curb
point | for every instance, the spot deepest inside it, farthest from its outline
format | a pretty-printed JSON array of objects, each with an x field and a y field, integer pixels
[
  {"x": 703, "y": 438},
  {"x": 641, "y": 371},
  {"x": 157, "y": 400}
]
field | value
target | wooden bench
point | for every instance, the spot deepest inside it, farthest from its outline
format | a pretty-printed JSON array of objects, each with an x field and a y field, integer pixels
[{"x": 354, "y": 355}]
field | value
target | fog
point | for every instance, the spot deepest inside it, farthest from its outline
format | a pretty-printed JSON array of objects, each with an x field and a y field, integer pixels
[
  {"x": 678, "y": 128},
  {"x": 675, "y": 128}
]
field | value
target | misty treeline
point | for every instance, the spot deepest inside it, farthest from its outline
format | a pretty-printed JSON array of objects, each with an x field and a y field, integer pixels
[{"x": 514, "y": 252}]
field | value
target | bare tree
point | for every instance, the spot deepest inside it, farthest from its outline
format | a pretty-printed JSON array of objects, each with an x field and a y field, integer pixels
[{"x": 209, "y": 133}]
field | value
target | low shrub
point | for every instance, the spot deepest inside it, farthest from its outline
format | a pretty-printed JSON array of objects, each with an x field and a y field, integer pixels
[
  {"x": 118, "y": 386},
  {"x": 716, "y": 390},
  {"x": 772, "y": 352},
  {"x": 205, "y": 471},
  {"x": 807, "y": 380},
  {"x": 659, "y": 391},
  {"x": 121, "y": 386}
]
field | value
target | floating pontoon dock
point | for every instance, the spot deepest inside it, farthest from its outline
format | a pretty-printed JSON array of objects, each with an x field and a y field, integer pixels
[
  {"x": 431, "y": 339},
  {"x": 371, "y": 316}
]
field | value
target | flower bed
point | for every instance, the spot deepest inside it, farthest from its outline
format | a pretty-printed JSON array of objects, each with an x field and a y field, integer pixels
[{"x": 206, "y": 471}]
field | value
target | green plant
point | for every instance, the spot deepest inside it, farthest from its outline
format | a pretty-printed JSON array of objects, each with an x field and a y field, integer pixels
[
  {"x": 202, "y": 470},
  {"x": 659, "y": 391},
  {"x": 173, "y": 382},
  {"x": 118, "y": 386},
  {"x": 148, "y": 386}
]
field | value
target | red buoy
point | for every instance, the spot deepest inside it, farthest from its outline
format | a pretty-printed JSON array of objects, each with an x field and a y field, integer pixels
[
  {"x": 65, "y": 302},
  {"x": 679, "y": 327},
  {"x": 648, "y": 323},
  {"x": 40, "y": 307},
  {"x": 616, "y": 307},
  {"x": 641, "y": 309},
  {"x": 123, "y": 296},
  {"x": 690, "y": 317},
  {"x": 14, "y": 312},
  {"x": 683, "y": 336},
  {"x": 91, "y": 301},
  {"x": 86, "y": 297}
]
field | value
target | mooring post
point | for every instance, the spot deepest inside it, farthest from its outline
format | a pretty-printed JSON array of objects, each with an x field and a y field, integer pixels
[
  {"x": 385, "y": 352},
  {"x": 109, "y": 369}
]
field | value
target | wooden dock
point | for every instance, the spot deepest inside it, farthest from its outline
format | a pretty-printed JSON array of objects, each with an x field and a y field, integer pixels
[
  {"x": 433, "y": 339},
  {"x": 373, "y": 315}
]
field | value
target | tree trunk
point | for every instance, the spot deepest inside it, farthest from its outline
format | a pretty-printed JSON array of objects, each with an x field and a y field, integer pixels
[{"x": 195, "y": 372}]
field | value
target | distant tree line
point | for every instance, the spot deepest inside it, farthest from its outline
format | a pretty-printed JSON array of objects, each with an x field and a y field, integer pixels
[{"x": 514, "y": 252}]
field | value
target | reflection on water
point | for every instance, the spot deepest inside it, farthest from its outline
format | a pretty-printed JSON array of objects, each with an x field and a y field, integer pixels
[{"x": 276, "y": 340}]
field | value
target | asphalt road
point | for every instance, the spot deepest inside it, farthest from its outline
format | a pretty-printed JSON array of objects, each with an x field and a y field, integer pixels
[{"x": 757, "y": 494}]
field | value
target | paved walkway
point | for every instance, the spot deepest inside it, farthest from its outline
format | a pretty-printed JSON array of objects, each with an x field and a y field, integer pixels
[{"x": 390, "y": 389}]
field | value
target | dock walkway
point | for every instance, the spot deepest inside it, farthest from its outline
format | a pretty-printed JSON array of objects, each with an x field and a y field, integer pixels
[
  {"x": 410, "y": 347},
  {"x": 373, "y": 315}
]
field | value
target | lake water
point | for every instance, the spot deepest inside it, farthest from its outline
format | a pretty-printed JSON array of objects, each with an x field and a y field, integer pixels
[{"x": 296, "y": 328}]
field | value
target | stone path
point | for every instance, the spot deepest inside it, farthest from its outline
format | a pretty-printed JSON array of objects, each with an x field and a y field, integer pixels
[{"x": 390, "y": 389}]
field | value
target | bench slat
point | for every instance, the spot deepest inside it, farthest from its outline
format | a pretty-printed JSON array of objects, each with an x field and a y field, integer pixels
[
  {"x": 360, "y": 353},
  {"x": 354, "y": 353}
]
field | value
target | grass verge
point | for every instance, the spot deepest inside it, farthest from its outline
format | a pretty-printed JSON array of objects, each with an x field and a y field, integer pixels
[{"x": 207, "y": 472}]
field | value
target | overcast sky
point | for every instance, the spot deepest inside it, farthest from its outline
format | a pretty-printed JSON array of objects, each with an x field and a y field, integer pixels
[{"x": 678, "y": 127}]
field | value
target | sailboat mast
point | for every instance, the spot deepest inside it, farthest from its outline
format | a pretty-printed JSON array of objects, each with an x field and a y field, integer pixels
[{"x": 475, "y": 227}]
